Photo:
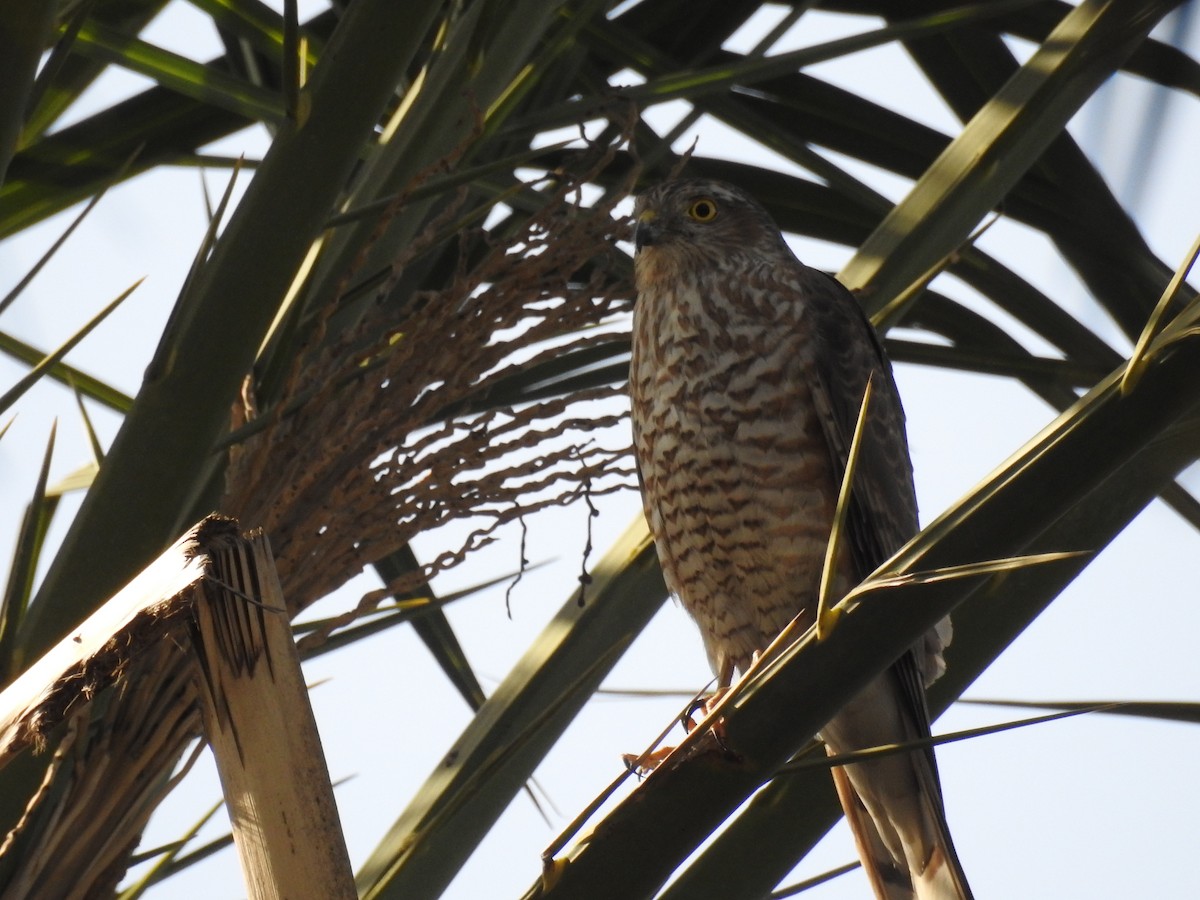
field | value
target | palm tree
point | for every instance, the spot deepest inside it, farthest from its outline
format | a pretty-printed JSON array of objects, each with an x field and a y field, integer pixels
[{"x": 415, "y": 313}]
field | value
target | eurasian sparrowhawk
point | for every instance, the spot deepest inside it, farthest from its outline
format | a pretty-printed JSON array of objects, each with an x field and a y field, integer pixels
[{"x": 748, "y": 373}]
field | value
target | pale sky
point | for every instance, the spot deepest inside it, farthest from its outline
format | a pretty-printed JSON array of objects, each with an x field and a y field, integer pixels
[{"x": 1092, "y": 807}]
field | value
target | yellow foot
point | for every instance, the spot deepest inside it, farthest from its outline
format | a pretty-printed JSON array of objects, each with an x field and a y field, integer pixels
[{"x": 643, "y": 765}]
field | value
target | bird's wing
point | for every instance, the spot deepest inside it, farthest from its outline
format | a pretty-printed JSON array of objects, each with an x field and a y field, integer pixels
[
  {"x": 881, "y": 518},
  {"x": 884, "y": 511}
]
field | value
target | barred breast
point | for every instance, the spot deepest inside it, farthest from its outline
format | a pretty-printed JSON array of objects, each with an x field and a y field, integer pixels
[{"x": 737, "y": 482}]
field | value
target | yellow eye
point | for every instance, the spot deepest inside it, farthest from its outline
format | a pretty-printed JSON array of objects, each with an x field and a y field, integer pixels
[{"x": 703, "y": 210}]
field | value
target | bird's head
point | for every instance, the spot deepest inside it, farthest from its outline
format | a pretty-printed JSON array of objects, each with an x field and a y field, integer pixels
[{"x": 702, "y": 216}]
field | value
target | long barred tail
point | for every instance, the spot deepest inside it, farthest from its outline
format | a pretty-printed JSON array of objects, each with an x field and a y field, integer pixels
[
  {"x": 894, "y": 802},
  {"x": 942, "y": 877}
]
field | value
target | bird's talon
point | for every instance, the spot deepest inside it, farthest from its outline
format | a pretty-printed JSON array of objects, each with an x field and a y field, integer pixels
[
  {"x": 718, "y": 733},
  {"x": 702, "y": 705}
]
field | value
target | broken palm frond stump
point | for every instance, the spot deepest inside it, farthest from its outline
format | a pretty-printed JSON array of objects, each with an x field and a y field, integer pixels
[
  {"x": 217, "y": 593},
  {"x": 262, "y": 731}
]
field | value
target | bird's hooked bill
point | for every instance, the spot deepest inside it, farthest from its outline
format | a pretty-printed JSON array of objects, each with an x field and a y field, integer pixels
[{"x": 644, "y": 232}]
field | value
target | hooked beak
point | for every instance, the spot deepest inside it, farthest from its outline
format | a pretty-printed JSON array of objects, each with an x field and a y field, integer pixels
[{"x": 645, "y": 233}]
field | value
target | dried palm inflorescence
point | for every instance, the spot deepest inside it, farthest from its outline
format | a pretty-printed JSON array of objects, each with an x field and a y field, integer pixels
[
  {"x": 386, "y": 430},
  {"x": 396, "y": 433}
]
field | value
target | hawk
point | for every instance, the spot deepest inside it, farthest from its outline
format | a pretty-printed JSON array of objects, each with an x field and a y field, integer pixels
[{"x": 748, "y": 373}]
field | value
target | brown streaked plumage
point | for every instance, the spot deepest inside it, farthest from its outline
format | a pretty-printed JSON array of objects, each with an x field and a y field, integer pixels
[{"x": 747, "y": 374}]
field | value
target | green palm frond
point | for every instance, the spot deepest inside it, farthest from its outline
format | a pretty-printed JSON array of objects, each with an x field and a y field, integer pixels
[{"x": 416, "y": 314}]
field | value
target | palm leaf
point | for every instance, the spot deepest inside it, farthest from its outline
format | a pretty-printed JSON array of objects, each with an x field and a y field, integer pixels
[{"x": 413, "y": 159}]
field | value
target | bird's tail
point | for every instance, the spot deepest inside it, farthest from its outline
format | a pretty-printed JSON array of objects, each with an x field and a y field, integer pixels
[
  {"x": 943, "y": 877},
  {"x": 938, "y": 875},
  {"x": 894, "y": 802}
]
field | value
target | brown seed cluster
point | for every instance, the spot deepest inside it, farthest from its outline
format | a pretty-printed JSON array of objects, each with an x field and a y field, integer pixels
[{"x": 423, "y": 412}]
